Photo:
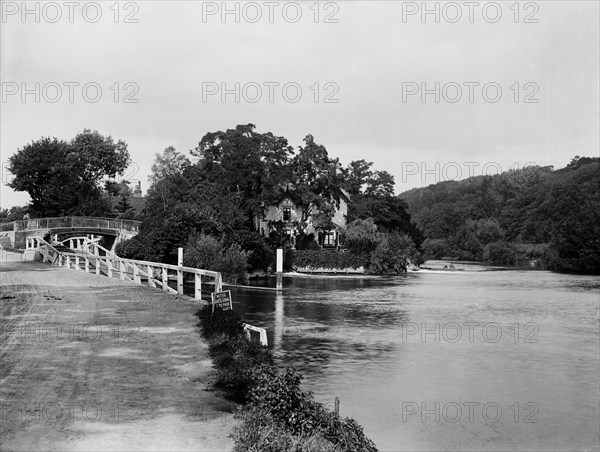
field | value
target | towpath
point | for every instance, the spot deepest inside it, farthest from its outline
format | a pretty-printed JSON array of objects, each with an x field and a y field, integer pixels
[{"x": 91, "y": 363}]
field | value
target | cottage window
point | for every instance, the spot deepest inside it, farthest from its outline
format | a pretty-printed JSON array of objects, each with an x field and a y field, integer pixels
[
  {"x": 329, "y": 239},
  {"x": 287, "y": 214}
]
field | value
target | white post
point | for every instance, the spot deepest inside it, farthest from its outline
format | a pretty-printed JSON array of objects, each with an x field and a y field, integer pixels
[
  {"x": 150, "y": 275},
  {"x": 136, "y": 275},
  {"x": 180, "y": 272},
  {"x": 165, "y": 280},
  {"x": 110, "y": 268},
  {"x": 263, "y": 337},
  {"x": 279, "y": 274},
  {"x": 87, "y": 265},
  {"x": 197, "y": 286},
  {"x": 121, "y": 270},
  {"x": 180, "y": 282},
  {"x": 97, "y": 266},
  {"x": 68, "y": 264}
]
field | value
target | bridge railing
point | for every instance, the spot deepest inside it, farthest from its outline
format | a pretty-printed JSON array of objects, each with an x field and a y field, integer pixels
[{"x": 71, "y": 222}]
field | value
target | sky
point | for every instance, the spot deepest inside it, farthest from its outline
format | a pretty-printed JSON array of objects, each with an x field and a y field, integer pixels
[{"x": 428, "y": 91}]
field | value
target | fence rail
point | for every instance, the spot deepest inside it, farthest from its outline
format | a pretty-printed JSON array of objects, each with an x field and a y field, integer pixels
[
  {"x": 89, "y": 259},
  {"x": 70, "y": 222}
]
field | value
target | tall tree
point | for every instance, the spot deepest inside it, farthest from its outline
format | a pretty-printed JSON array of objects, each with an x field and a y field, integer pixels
[
  {"x": 255, "y": 165},
  {"x": 316, "y": 181},
  {"x": 67, "y": 178}
]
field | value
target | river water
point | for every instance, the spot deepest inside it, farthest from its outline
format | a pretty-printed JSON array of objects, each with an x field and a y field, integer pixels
[{"x": 478, "y": 359}]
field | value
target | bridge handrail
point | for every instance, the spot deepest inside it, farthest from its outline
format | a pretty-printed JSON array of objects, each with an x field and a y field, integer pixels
[
  {"x": 70, "y": 222},
  {"x": 45, "y": 248}
]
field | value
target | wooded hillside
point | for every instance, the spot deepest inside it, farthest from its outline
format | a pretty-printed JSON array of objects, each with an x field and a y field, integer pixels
[{"x": 534, "y": 213}]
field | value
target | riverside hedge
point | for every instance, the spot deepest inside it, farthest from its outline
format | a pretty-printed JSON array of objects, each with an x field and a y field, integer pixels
[
  {"x": 327, "y": 259},
  {"x": 277, "y": 414}
]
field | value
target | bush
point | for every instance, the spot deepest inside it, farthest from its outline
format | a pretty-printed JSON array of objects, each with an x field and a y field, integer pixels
[
  {"x": 258, "y": 432},
  {"x": 206, "y": 252},
  {"x": 361, "y": 236},
  {"x": 306, "y": 241},
  {"x": 327, "y": 259},
  {"x": 436, "y": 249},
  {"x": 499, "y": 253},
  {"x": 279, "y": 416},
  {"x": 261, "y": 254},
  {"x": 385, "y": 260}
]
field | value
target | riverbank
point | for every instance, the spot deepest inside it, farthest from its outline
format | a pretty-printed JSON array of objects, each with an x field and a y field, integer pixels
[
  {"x": 92, "y": 363},
  {"x": 277, "y": 414}
]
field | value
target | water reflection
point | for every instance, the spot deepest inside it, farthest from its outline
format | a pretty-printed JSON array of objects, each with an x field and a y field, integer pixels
[{"x": 346, "y": 336}]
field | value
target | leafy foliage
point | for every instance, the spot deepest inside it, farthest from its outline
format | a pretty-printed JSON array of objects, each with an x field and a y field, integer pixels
[
  {"x": 64, "y": 178},
  {"x": 15, "y": 213},
  {"x": 484, "y": 218},
  {"x": 234, "y": 175},
  {"x": 204, "y": 251},
  {"x": 278, "y": 415},
  {"x": 327, "y": 259}
]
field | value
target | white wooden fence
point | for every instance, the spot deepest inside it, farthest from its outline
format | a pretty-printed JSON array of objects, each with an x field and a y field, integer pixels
[
  {"x": 104, "y": 262},
  {"x": 88, "y": 253}
]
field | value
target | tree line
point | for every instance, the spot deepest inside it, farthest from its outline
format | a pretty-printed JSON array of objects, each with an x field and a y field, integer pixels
[
  {"x": 207, "y": 200},
  {"x": 535, "y": 213}
]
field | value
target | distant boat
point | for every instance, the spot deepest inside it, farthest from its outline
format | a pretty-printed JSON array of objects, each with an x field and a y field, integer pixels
[{"x": 443, "y": 269}]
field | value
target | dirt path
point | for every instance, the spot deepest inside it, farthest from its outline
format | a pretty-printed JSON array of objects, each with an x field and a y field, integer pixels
[{"x": 91, "y": 363}]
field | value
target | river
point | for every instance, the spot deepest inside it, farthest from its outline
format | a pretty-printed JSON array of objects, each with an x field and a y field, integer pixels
[{"x": 479, "y": 359}]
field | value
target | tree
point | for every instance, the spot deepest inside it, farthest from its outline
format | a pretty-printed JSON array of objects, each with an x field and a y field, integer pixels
[
  {"x": 380, "y": 184},
  {"x": 356, "y": 176},
  {"x": 316, "y": 182},
  {"x": 254, "y": 165},
  {"x": 66, "y": 178},
  {"x": 168, "y": 164},
  {"x": 15, "y": 213}
]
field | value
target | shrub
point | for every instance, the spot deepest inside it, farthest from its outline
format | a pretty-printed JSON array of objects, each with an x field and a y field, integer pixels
[
  {"x": 279, "y": 416},
  {"x": 258, "y": 432},
  {"x": 204, "y": 251},
  {"x": 499, "y": 253},
  {"x": 327, "y": 259},
  {"x": 386, "y": 260},
  {"x": 436, "y": 248},
  {"x": 306, "y": 241},
  {"x": 361, "y": 236},
  {"x": 261, "y": 254}
]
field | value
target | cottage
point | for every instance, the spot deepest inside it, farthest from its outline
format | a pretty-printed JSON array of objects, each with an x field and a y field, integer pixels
[{"x": 288, "y": 216}]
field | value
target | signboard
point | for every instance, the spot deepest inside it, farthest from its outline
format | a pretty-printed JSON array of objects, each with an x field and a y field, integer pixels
[{"x": 222, "y": 300}]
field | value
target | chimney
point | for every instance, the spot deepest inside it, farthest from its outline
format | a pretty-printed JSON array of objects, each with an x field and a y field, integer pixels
[{"x": 137, "y": 193}]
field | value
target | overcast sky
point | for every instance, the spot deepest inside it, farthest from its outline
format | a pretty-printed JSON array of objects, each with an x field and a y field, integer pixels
[{"x": 350, "y": 73}]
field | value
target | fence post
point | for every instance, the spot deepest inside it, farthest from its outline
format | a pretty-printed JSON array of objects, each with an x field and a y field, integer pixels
[
  {"x": 122, "y": 270},
  {"x": 110, "y": 269},
  {"x": 136, "y": 275},
  {"x": 263, "y": 337},
  {"x": 179, "y": 271},
  {"x": 197, "y": 286},
  {"x": 279, "y": 274},
  {"x": 165, "y": 279},
  {"x": 68, "y": 262},
  {"x": 87, "y": 265},
  {"x": 150, "y": 275},
  {"x": 98, "y": 265},
  {"x": 180, "y": 281}
]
